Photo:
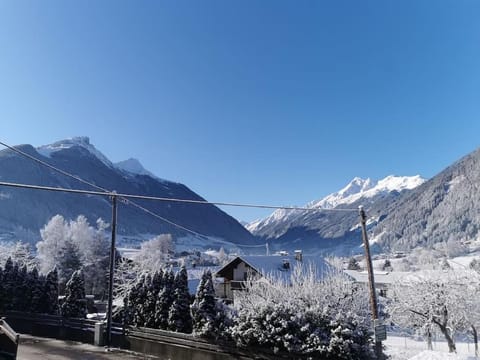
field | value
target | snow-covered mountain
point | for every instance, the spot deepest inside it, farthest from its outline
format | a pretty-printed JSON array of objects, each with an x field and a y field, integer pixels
[
  {"x": 356, "y": 190},
  {"x": 23, "y": 212}
]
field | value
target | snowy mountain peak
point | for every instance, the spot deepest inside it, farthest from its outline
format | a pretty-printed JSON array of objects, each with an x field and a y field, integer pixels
[
  {"x": 133, "y": 166},
  {"x": 80, "y": 141},
  {"x": 356, "y": 189}
]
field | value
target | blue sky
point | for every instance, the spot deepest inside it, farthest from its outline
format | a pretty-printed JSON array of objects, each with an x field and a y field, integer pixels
[{"x": 276, "y": 102}]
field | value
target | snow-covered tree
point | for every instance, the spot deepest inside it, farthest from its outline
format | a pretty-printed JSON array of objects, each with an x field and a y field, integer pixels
[
  {"x": 49, "y": 249},
  {"x": 431, "y": 301},
  {"x": 210, "y": 318},
  {"x": 179, "y": 317},
  {"x": 69, "y": 245},
  {"x": 68, "y": 263},
  {"x": 153, "y": 289},
  {"x": 74, "y": 304},
  {"x": 141, "y": 297},
  {"x": 37, "y": 291},
  {"x": 155, "y": 252},
  {"x": 19, "y": 252},
  {"x": 50, "y": 299},
  {"x": 165, "y": 300}
]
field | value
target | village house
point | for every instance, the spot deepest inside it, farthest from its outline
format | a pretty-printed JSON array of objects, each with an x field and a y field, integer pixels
[{"x": 232, "y": 276}]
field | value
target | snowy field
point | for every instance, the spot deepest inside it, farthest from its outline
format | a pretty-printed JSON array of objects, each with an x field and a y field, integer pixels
[{"x": 408, "y": 348}]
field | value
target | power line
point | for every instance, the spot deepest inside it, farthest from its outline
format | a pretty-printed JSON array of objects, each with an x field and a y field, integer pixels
[
  {"x": 144, "y": 197},
  {"x": 106, "y": 192},
  {"x": 164, "y": 199}
]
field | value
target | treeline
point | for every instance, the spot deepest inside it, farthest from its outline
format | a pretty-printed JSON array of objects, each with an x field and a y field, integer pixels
[
  {"x": 163, "y": 301},
  {"x": 27, "y": 290}
]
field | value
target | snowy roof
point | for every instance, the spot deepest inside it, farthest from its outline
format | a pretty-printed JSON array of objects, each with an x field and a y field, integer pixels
[
  {"x": 383, "y": 277},
  {"x": 274, "y": 265}
]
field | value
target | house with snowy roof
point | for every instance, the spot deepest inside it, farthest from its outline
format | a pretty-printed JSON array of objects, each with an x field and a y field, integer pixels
[{"x": 232, "y": 276}]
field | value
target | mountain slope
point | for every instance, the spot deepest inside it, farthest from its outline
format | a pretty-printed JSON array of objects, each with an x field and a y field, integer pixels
[
  {"x": 446, "y": 207},
  {"x": 333, "y": 231},
  {"x": 28, "y": 210}
]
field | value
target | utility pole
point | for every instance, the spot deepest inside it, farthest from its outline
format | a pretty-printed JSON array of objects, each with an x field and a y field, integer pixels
[
  {"x": 371, "y": 285},
  {"x": 112, "y": 268}
]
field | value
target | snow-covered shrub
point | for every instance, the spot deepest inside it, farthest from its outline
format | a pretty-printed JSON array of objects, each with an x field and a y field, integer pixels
[{"x": 326, "y": 318}]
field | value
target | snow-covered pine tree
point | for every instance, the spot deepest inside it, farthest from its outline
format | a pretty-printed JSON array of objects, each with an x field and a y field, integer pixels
[
  {"x": 130, "y": 303},
  {"x": 152, "y": 296},
  {"x": 74, "y": 304},
  {"x": 37, "y": 286},
  {"x": 204, "y": 308},
  {"x": 68, "y": 264},
  {"x": 179, "y": 317},
  {"x": 141, "y": 297},
  {"x": 23, "y": 290},
  {"x": 8, "y": 285},
  {"x": 14, "y": 287},
  {"x": 49, "y": 303},
  {"x": 164, "y": 301}
]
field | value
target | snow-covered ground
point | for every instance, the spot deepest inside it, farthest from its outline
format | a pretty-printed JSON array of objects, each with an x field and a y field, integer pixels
[{"x": 408, "y": 348}]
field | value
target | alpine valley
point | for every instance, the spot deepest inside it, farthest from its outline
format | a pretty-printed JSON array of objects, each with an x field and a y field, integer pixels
[{"x": 404, "y": 212}]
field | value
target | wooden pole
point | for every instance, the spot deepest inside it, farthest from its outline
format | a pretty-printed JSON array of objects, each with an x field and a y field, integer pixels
[
  {"x": 112, "y": 269},
  {"x": 371, "y": 280}
]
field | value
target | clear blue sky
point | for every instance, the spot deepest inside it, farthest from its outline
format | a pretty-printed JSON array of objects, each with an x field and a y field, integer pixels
[{"x": 250, "y": 101}]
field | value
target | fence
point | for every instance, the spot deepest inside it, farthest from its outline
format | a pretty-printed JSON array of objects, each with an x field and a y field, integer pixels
[{"x": 161, "y": 343}]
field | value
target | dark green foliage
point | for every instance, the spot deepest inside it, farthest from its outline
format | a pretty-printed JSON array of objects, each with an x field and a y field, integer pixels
[
  {"x": 179, "y": 318},
  {"x": 164, "y": 301},
  {"x": 37, "y": 291},
  {"x": 139, "y": 307},
  {"x": 50, "y": 300},
  {"x": 23, "y": 290},
  {"x": 204, "y": 309},
  {"x": 74, "y": 304},
  {"x": 154, "y": 288}
]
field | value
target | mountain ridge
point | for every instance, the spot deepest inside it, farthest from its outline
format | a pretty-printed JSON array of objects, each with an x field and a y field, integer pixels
[{"x": 23, "y": 210}]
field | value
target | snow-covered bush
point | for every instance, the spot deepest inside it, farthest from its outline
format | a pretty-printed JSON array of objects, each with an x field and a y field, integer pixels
[{"x": 326, "y": 318}]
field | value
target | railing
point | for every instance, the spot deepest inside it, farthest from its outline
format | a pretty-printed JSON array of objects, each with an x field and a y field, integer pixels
[{"x": 8, "y": 341}]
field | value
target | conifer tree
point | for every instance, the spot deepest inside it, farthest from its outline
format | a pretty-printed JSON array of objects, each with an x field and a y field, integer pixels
[
  {"x": 49, "y": 303},
  {"x": 179, "y": 317},
  {"x": 204, "y": 309},
  {"x": 164, "y": 301},
  {"x": 151, "y": 300},
  {"x": 14, "y": 288},
  {"x": 139, "y": 308},
  {"x": 36, "y": 284},
  {"x": 74, "y": 304},
  {"x": 68, "y": 263},
  {"x": 8, "y": 285},
  {"x": 23, "y": 290}
]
